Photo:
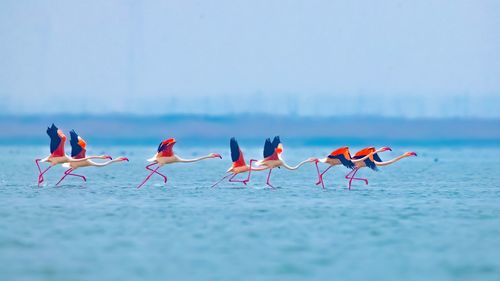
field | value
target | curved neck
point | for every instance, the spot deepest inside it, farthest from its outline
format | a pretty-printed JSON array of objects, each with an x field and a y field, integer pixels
[
  {"x": 367, "y": 156},
  {"x": 84, "y": 159},
  {"x": 194, "y": 159},
  {"x": 297, "y": 166},
  {"x": 385, "y": 163},
  {"x": 105, "y": 163},
  {"x": 362, "y": 159}
]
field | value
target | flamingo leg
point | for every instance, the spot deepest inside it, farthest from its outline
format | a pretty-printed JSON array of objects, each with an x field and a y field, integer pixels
[
  {"x": 75, "y": 175},
  {"x": 320, "y": 176},
  {"x": 68, "y": 173},
  {"x": 269, "y": 177},
  {"x": 223, "y": 178},
  {"x": 147, "y": 178},
  {"x": 40, "y": 176},
  {"x": 353, "y": 172},
  {"x": 160, "y": 174},
  {"x": 249, "y": 171},
  {"x": 234, "y": 175}
]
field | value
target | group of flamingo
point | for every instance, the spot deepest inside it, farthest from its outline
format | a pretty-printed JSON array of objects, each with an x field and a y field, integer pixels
[{"x": 367, "y": 157}]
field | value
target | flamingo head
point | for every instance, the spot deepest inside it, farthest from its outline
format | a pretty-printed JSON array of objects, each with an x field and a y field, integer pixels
[
  {"x": 385, "y": 148},
  {"x": 410, "y": 154},
  {"x": 122, "y": 159},
  {"x": 279, "y": 149},
  {"x": 215, "y": 155},
  {"x": 106, "y": 157}
]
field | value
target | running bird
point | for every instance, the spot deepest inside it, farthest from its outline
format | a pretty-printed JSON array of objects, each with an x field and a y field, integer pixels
[
  {"x": 239, "y": 165},
  {"x": 57, "y": 155},
  {"x": 372, "y": 162},
  {"x": 165, "y": 155},
  {"x": 340, "y": 156},
  {"x": 272, "y": 158},
  {"x": 78, "y": 150}
]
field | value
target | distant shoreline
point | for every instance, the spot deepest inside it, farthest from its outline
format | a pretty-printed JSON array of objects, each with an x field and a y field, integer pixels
[{"x": 134, "y": 129}]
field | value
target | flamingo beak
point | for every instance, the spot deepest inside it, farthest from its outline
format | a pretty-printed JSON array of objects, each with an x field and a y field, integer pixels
[
  {"x": 217, "y": 155},
  {"x": 387, "y": 149},
  {"x": 412, "y": 154},
  {"x": 108, "y": 157},
  {"x": 125, "y": 159}
]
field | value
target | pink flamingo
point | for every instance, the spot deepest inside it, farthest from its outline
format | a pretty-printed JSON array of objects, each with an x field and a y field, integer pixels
[
  {"x": 372, "y": 162},
  {"x": 78, "y": 150},
  {"x": 57, "y": 155},
  {"x": 272, "y": 158},
  {"x": 165, "y": 155},
  {"x": 341, "y": 156},
  {"x": 239, "y": 165}
]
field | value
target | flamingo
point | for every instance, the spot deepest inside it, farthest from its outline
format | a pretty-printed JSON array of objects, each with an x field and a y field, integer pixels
[
  {"x": 340, "y": 156},
  {"x": 239, "y": 165},
  {"x": 165, "y": 155},
  {"x": 57, "y": 155},
  {"x": 272, "y": 158},
  {"x": 78, "y": 150},
  {"x": 372, "y": 162}
]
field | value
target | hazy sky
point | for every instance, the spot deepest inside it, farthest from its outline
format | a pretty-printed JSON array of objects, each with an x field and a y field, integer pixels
[{"x": 397, "y": 58}]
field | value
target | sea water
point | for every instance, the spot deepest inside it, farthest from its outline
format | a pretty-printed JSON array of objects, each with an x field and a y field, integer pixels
[{"x": 431, "y": 217}]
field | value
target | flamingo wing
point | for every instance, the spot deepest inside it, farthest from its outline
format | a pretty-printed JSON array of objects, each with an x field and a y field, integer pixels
[
  {"x": 162, "y": 146},
  {"x": 268, "y": 148},
  {"x": 343, "y": 155},
  {"x": 78, "y": 145},
  {"x": 276, "y": 142},
  {"x": 165, "y": 148},
  {"x": 57, "y": 139},
  {"x": 236, "y": 153},
  {"x": 368, "y": 162}
]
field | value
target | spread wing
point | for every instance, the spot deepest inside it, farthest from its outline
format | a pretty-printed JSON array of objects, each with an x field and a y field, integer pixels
[
  {"x": 55, "y": 138},
  {"x": 235, "y": 149},
  {"x": 76, "y": 143},
  {"x": 268, "y": 148}
]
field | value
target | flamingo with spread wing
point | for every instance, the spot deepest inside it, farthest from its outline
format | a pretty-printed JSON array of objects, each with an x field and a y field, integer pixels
[
  {"x": 57, "y": 155},
  {"x": 78, "y": 151},
  {"x": 272, "y": 158}
]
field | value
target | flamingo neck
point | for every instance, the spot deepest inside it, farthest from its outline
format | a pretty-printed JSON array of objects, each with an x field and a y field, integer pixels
[
  {"x": 385, "y": 163},
  {"x": 105, "y": 163},
  {"x": 298, "y": 165},
  {"x": 84, "y": 158},
  {"x": 193, "y": 159}
]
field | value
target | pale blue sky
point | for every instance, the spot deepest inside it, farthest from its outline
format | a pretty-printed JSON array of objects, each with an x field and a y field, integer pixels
[{"x": 395, "y": 58}]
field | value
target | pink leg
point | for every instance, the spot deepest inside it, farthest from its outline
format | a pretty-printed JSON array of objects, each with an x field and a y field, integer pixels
[
  {"x": 269, "y": 177},
  {"x": 320, "y": 176},
  {"x": 68, "y": 173},
  {"x": 40, "y": 176},
  {"x": 75, "y": 175},
  {"x": 249, "y": 171},
  {"x": 160, "y": 174},
  {"x": 65, "y": 175},
  {"x": 348, "y": 174},
  {"x": 234, "y": 175},
  {"x": 223, "y": 178},
  {"x": 353, "y": 178},
  {"x": 147, "y": 178}
]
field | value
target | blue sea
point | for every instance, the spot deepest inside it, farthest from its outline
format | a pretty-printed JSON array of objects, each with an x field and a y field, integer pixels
[{"x": 431, "y": 217}]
